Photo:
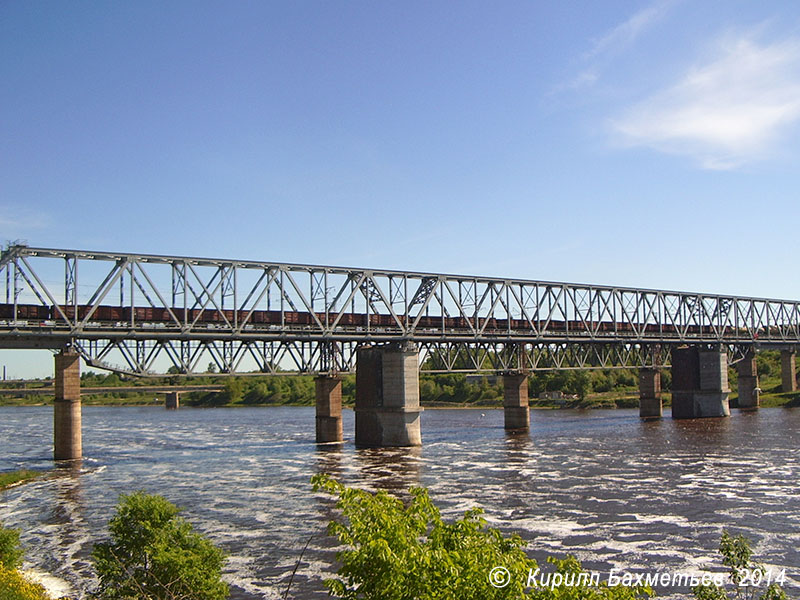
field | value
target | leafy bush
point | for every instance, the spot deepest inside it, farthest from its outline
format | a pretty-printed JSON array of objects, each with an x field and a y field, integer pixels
[
  {"x": 736, "y": 555},
  {"x": 397, "y": 552},
  {"x": 155, "y": 554},
  {"x": 14, "y": 586},
  {"x": 10, "y": 550}
]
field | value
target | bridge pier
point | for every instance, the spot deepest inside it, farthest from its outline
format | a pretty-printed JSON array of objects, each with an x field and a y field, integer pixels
[
  {"x": 329, "y": 409},
  {"x": 748, "y": 382},
  {"x": 699, "y": 383},
  {"x": 788, "y": 370},
  {"x": 516, "y": 411},
  {"x": 387, "y": 396},
  {"x": 650, "y": 406},
  {"x": 67, "y": 442},
  {"x": 172, "y": 401}
]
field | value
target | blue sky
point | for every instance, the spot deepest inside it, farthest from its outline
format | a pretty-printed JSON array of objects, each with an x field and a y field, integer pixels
[{"x": 648, "y": 144}]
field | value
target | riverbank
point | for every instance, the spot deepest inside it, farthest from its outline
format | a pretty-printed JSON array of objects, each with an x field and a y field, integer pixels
[
  {"x": 13, "y": 478},
  {"x": 594, "y": 401}
]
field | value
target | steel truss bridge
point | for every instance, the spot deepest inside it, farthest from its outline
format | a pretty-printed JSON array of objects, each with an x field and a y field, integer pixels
[{"x": 140, "y": 314}]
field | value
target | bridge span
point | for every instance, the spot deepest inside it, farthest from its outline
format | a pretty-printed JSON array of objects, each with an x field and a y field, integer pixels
[{"x": 140, "y": 314}]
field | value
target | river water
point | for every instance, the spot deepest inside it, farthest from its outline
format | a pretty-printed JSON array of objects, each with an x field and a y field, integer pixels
[{"x": 603, "y": 485}]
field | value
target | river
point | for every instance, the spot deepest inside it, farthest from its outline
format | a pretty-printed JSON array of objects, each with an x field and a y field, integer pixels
[{"x": 603, "y": 485}]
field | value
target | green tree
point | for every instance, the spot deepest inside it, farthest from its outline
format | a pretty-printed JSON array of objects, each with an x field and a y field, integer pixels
[
  {"x": 397, "y": 552},
  {"x": 579, "y": 384},
  {"x": 427, "y": 389},
  {"x": 234, "y": 389},
  {"x": 155, "y": 554},
  {"x": 743, "y": 573}
]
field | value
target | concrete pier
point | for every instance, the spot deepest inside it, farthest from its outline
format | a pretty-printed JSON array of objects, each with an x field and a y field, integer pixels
[
  {"x": 650, "y": 406},
  {"x": 172, "y": 401},
  {"x": 329, "y": 409},
  {"x": 788, "y": 370},
  {"x": 699, "y": 383},
  {"x": 67, "y": 440},
  {"x": 748, "y": 382},
  {"x": 387, "y": 396},
  {"x": 516, "y": 411}
]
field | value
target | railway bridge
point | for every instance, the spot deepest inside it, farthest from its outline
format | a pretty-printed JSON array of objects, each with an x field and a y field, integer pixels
[{"x": 142, "y": 314}]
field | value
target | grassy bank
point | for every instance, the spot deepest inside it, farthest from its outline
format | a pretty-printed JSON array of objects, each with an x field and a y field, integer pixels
[
  {"x": 14, "y": 477},
  {"x": 89, "y": 399}
]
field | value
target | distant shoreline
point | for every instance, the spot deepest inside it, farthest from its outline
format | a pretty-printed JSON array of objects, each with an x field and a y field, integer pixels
[{"x": 770, "y": 402}]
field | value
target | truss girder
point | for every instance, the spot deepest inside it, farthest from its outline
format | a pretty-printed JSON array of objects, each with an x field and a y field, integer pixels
[
  {"x": 151, "y": 358},
  {"x": 235, "y": 309}
]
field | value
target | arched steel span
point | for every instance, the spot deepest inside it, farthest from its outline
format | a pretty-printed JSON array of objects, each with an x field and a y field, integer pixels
[{"x": 141, "y": 313}]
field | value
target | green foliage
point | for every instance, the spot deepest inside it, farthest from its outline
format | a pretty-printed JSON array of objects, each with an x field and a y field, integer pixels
[
  {"x": 155, "y": 554},
  {"x": 580, "y": 385},
  {"x": 266, "y": 390},
  {"x": 397, "y": 552},
  {"x": 743, "y": 573},
  {"x": 10, "y": 550},
  {"x": 14, "y": 586},
  {"x": 576, "y": 589},
  {"x": 233, "y": 390},
  {"x": 454, "y": 388},
  {"x": 768, "y": 363}
]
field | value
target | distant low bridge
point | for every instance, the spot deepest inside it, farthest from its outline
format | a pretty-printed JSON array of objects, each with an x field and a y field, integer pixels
[{"x": 49, "y": 390}]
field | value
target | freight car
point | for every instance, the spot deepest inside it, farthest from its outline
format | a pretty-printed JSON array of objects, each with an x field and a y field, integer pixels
[{"x": 115, "y": 314}]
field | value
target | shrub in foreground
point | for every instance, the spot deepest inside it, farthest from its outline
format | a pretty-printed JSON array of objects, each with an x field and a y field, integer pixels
[
  {"x": 747, "y": 577},
  {"x": 14, "y": 586},
  {"x": 155, "y": 554},
  {"x": 10, "y": 550},
  {"x": 398, "y": 552}
]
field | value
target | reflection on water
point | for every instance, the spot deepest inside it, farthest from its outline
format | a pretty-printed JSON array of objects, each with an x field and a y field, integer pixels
[
  {"x": 391, "y": 469},
  {"x": 604, "y": 485}
]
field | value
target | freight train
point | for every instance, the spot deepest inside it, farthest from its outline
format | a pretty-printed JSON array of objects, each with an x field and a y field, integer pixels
[{"x": 113, "y": 315}]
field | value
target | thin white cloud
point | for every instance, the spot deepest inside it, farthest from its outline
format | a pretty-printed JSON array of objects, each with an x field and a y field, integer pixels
[
  {"x": 726, "y": 112},
  {"x": 21, "y": 220},
  {"x": 614, "y": 42},
  {"x": 627, "y": 32}
]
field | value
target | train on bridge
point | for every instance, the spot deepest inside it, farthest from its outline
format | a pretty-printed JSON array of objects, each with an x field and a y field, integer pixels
[{"x": 104, "y": 314}]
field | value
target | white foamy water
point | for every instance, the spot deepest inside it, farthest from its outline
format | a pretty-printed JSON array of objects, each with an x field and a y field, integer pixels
[{"x": 614, "y": 491}]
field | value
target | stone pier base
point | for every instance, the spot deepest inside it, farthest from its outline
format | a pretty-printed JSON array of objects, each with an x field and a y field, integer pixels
[
  {"x": 748, "y": 383},
  {"x": 516, "y": 411},
  {"x": 172, "y": 401},
  {"x": 387, "y": 396},
  {"x": 67, "y": 439},
  {"x": 699, "y": 383},
  {"x": 329, "y": 409},
  {"x": 650, "y": 406}
]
